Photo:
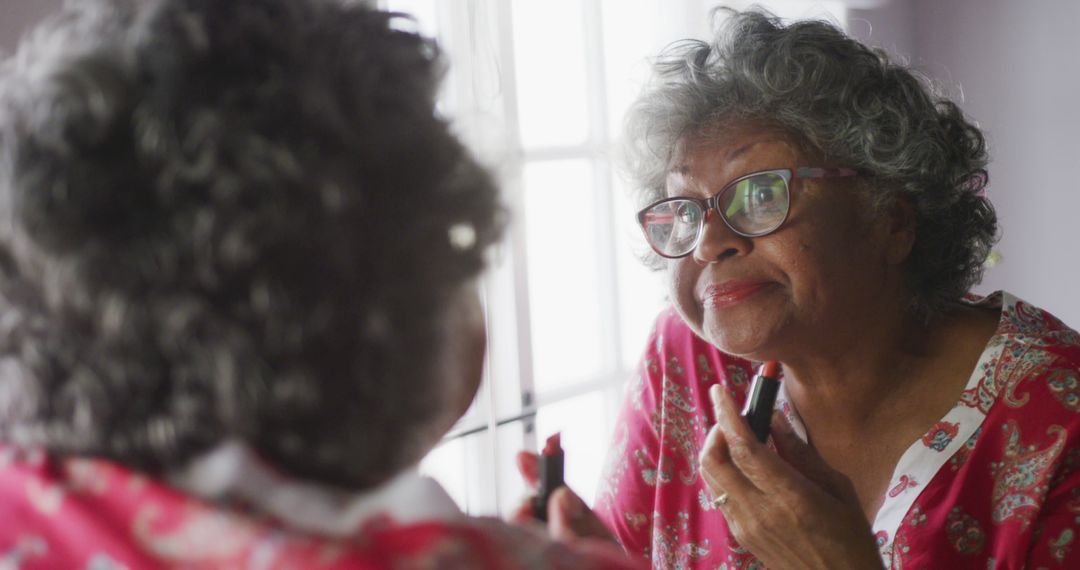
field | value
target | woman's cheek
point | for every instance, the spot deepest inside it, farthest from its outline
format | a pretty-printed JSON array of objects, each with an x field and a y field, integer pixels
[{"x": 682, "y": 281}]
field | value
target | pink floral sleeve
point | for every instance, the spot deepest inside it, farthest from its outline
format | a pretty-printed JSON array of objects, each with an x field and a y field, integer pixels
[
  {"x": 651, "y": 495},
  {"x": 1054, "y": 543},
  {"x": 628, "y": 488}
]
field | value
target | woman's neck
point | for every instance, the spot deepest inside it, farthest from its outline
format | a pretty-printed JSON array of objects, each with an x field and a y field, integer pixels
[{"x": 884, "y": 373}]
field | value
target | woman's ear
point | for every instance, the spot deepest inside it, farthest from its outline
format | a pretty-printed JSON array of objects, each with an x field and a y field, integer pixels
[{"x": 902, "y": 224}]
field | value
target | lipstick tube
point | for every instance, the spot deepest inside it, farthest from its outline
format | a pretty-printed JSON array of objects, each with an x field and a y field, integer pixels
[
  {"x": 551, "y": 475},
  {"x": 759, "y": 404}
]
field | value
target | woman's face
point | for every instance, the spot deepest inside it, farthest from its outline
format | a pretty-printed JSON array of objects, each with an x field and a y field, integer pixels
[
  {"x": 817, "y": 278},
  {"x": 461, "y": 364},
  {"x": 466, "y": 345}
]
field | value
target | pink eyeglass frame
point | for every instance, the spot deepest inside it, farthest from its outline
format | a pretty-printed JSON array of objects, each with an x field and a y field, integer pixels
[{"x": 712, "y": 203}]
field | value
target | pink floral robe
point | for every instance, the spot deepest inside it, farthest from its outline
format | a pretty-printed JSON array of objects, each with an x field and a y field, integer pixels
[
  {"x": 81, "y": 514},
  {"x": 994, "y": 484}
]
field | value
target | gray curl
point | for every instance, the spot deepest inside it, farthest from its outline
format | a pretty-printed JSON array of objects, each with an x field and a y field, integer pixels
[{"x": 848, "y": 102}]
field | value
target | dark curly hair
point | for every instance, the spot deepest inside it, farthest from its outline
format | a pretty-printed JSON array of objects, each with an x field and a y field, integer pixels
[
  {"x": 231, "y": 220},
  {"x": 846, "y": 101}
]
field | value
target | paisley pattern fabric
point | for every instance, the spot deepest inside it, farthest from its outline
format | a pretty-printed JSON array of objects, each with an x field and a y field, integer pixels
[
  {"x": 995, "y": 483},
  {"x": 82, "y": 514}
]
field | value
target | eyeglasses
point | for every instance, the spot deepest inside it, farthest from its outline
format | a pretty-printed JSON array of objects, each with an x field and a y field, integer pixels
[{"x": 752, "y": 206}]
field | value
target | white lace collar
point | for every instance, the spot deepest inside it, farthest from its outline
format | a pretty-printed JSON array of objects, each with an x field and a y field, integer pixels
[{"x": 232, "y": 471}]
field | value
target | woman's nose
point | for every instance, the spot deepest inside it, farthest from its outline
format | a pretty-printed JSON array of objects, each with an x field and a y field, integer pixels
[{"x": 718, "y": 241}]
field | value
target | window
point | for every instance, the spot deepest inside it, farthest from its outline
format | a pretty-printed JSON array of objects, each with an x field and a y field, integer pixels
[{"x": 538, "y": 89}]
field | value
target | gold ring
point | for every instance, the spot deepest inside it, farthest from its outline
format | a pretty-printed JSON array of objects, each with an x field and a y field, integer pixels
[{"x": 719, "y": 501}]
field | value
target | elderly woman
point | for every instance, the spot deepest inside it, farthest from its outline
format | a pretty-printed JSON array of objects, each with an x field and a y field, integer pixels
[
  {"x": 814, "y": 204},
  {"x": 237, "y": 259}
]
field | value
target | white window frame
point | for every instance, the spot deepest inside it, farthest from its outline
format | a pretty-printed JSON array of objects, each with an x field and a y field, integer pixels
[{"x": 485, "y": 485}]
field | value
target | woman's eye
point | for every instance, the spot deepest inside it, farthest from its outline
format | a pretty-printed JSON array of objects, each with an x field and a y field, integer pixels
[
  {"x": 762, "y": 195},
  {"x": 687, "y": 214}
]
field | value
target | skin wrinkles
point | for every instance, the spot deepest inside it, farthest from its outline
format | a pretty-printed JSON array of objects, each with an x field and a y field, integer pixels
[
  {"x": 813, "y": 266},
  {"x": 833, "y": 309}
]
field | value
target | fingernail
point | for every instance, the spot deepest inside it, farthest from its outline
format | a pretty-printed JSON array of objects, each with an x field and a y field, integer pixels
[{"x": 714, "y": 394}]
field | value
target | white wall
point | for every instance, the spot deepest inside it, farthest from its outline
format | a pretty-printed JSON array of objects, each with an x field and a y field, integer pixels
[
  {"x": 889, "y": 24},
  {"x": 1016, "y": 63}
]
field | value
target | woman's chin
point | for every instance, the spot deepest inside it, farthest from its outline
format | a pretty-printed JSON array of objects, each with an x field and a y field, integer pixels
[
  {"x": 756, "y": 340},
  {"x": 741, "y": 349}
]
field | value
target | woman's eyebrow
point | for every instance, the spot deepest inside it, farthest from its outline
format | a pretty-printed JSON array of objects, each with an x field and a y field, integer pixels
[{"x": 742, "y": 150}]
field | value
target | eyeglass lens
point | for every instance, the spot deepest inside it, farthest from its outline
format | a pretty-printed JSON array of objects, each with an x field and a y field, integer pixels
[{"x": 753, "y": 206}]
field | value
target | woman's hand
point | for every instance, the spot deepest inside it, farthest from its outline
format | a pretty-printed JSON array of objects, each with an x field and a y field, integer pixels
[
  {"x": 798, "y": 513},
  {"x": 569, "y": 518}
]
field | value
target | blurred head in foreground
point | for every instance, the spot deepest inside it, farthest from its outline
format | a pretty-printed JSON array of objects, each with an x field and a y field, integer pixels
[{"x": 215, "y": 227}]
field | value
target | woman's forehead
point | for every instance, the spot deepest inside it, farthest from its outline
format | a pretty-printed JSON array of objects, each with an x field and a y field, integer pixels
[
  {"x": 728, "y": 141},
  {"x": 729, "y": 155}
]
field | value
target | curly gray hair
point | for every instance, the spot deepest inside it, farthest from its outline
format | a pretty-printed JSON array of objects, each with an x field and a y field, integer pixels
[
  {"x": 846, "y": 101},
  {"x": 231, "y": 220}
]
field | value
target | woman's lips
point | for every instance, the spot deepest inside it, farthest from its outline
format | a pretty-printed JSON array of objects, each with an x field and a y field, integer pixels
[{"x": 731, "y": 293}]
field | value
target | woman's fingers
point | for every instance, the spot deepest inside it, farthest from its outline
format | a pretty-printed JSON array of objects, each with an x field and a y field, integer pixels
[
  {"x": 737, "y": 432},
  {"x": 523, "y": 513},
  {"x": 754, "y": 459},
  {"x": 714, "y": 458},
  {"x": 772, "y": 508},
  {"x": 569, "y": 518},
  {"x": 719, "y": 469},
  {"x": 528, "y": 464},
  {"x": 751, "y": 464}
]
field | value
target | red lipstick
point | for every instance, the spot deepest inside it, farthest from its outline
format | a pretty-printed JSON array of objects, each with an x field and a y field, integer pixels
[
  {"x": 731, "y": 292},
  {"x": 762, "y": 398},
  {"x": 551, "y": 475}
]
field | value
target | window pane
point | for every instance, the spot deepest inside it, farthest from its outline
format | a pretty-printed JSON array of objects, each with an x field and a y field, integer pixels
[
  {"x": 446, "y": 464},
  {"x": 634, "y": 31},
  {"x": 478, "y": 410},
  {"x": 512, "y": 488},
  {"x": 503, "y": 366},
  {"x": 642, "y": 291},
  {"x": 563, "y": 284},
  {"x": 585, "y": 424},
  {"x": 549, "y": 61},
  {"x": 463, "y": 467}
]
